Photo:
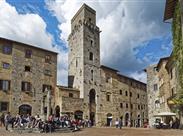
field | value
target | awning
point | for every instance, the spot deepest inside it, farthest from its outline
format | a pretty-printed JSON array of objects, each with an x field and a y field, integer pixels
[{"x": 164, "y": 114}]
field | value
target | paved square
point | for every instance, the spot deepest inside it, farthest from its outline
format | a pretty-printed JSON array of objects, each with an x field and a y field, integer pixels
[{"x": 105, "y": 132}]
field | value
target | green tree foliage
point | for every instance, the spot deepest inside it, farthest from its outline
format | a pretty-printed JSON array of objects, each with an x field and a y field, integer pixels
[{"x": 178, "y": 52}]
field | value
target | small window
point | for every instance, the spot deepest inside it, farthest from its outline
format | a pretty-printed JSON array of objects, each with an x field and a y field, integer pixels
[
  {"x": 4, "y": 85},
  {"x": 26, "y": 86},
  {"x": 155, "y": 87},
  {"x": 47, "y": 72},
  {"x": 48, "y": 59},
  {"x": 76, "y": 63},
  {"x": 7, "y": 49},
  {"x": 138, "y": 96},
  {"x": 131, "y": 106},
  {"x": 91, "y": 42},
  {"x": 28, "y": 53},
  {"x": 155, "y": 69},
  {"x": 127, "y": 105},
  {"x": 92, "y": 75},
  {"x": 130, "y": 94},
  {"x": 157, "y": 104},
  {"x": 6, "y": 65},
  {"x": 108, "y": 97},
  {"x": 27, "y": 68},
  {"x": 120, "y": 92},
  {"x": 45, "y": 110},
  {"x": 126, "y": 93},
  {"x": 108, "y": 78},
  {"x": 91, "y": 56},
  {"x": 70, "y": 94},
  {"x": 3, "y": 106},
  {"x": 138, "y": 107},
  {"x": 121, "y": 105}
]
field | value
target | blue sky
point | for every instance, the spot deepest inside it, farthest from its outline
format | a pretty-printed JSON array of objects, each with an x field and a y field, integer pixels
[
  {"x": 133, "y": 32},
  {"x": 39, "y": 7}
]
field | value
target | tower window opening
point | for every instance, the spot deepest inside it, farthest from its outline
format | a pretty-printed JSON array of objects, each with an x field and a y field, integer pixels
[
  {"x": 91, "y": 56},
  {"x": 92, "y": 75}
]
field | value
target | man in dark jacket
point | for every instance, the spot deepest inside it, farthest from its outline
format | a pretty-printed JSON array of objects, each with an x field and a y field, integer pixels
[{"x": 7, "y": 120}]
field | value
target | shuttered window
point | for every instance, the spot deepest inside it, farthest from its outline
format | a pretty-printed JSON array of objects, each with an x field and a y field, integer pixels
[{"x": 26, "y": 86}]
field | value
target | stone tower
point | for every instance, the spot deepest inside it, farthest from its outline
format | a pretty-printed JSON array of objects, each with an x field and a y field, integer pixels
[{"x": 84, "y": 59}]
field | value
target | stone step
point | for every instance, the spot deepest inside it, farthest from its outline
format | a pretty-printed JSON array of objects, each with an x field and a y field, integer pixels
[
  {"x": 36, "y": 130},
  {"x": 64, "y": 130},
  {"x": 26, "y": 130}
]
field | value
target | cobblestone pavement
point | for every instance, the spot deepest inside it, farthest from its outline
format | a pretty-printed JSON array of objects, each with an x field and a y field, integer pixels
[{"x": 104, "y": 132}]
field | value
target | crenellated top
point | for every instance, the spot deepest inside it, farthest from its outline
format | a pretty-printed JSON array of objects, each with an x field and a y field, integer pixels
[{"x": 86, "y": 23}]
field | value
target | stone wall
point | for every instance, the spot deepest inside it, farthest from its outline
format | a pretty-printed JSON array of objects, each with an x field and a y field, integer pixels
[
  {"x": 117, "y": 86},
  {"x": 36, "y": 76}
]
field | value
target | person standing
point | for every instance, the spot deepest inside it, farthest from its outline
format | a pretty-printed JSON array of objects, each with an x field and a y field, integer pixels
[
  {"x": 7, "y": 120},
  {"x": 116, "y": 123},
  {"x": 120, "y": 123},
  {"x": 2, "y": 120}
]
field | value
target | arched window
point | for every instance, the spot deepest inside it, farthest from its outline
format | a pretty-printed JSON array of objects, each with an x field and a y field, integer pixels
[
  {"x": 91, "y": 56},
  {"x": 108, "y": 97},
  {"x": 157, "y": 104}
]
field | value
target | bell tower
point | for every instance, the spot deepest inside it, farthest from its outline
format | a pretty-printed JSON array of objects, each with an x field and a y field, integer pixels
[{"x": 84, "y": 58}]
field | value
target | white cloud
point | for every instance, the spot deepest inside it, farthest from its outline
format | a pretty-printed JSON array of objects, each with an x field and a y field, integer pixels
[
  {"x": 140, "y": 76},
  {"x": 31, "y": 29},
  {"x": 124, "y": 24}
]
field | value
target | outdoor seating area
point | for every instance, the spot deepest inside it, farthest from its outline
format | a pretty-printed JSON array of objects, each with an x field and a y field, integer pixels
[
  {"x": 27, "y": 123},
  {"x": 166, "y": 120}
]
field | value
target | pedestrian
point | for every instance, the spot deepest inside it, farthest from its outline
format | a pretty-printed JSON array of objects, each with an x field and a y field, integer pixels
[
  {"x": 116, "y": 123},
  {"x": 120, "y": 124},
  {"x": 2, "y": 120},
  {"x": 7, "y": 120}
]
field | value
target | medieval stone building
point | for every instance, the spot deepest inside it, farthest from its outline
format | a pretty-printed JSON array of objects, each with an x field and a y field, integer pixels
[
  {"x": 152, "y": 93},
  {"x": 27, "y": 78},
  {"x": 161, "y": 89},
  {"x": 97, "y": 92}
]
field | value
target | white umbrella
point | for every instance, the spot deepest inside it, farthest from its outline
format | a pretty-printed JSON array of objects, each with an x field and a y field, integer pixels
[{"x": 161, "y": 114}]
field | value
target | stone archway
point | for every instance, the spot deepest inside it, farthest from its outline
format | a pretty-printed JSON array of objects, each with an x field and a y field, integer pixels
[
  {"x": 25, "y": 109},
  {"x": 92, "y": 106},
  {"x": 57, "y": 111},
  {"x": 109, "y": 119},
  {"x": 126, "y": 119}
]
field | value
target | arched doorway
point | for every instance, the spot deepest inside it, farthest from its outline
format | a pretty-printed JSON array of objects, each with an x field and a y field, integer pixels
[
  {"x": 109, "y": 119},
  {"x": 138, "y": 121},
  {"x": 25, "y": 109},
  {"x": 92, "y": 106},
  {"x": 57, "y": 111},
  {"x": 78, "y": 115},
  {"x": 126, "y": 119}
]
